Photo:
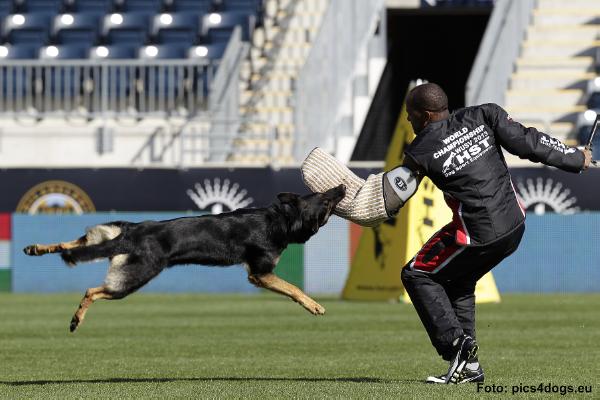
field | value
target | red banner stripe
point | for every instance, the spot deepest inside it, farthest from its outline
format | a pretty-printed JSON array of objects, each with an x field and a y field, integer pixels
[{"x": 5, "y": 231}]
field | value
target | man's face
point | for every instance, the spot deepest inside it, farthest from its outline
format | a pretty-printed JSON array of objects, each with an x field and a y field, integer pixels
[{"x": 417, "y": 119}]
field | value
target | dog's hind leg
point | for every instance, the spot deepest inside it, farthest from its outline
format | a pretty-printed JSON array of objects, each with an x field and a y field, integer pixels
[
  {"x": 276, "y": 284},
  {"x": 91, "y": 295},
  {"x": 94, "y": 235},
  {"x": 41, "y": 249}
]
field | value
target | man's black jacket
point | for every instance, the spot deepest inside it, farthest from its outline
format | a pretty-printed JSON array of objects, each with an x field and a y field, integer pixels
[{"x": 462, "y": 156}]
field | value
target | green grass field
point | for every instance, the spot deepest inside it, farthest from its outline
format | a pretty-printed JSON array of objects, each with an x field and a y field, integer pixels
[{"x": 264, "y": 346}]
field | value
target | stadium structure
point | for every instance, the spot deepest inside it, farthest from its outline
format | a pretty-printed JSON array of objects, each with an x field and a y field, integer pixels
[{"x": 137, "y": 110}]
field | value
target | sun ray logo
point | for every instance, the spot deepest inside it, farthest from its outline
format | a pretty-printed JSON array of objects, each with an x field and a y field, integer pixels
[
  {"x": 545, "y": 195},
  {"x": 217, "y": 198}
]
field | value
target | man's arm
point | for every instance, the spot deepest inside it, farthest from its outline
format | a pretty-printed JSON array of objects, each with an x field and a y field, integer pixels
[
  {"x": 400, "y": 184},
  {"x": 529, "y": 143}
]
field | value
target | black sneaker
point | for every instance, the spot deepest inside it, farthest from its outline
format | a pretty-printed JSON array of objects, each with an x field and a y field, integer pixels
[
  {"x": 467, "y": 375},
  {"x": 466, "y": 349}
]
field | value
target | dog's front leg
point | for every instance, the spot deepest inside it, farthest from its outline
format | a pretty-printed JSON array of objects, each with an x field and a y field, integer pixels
[
  {"x": 276, "y": 284},
  {"x": 91, "y": 295}
]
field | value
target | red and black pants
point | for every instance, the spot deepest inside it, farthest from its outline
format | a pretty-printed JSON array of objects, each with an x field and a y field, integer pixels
[{"x": 441, "y": 280}]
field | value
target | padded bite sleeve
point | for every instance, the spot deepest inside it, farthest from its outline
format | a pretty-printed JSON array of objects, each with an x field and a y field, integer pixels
[{"x": 364, "y": 202}]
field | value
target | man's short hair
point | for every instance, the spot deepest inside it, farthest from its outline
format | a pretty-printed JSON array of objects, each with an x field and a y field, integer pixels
[{"x": 428, "y": 97}]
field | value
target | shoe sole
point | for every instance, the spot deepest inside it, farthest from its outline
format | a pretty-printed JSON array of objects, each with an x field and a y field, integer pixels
[
  {"x": 472, "y": 379},
  {"x": 434, "y": 380},
  {"x": 458, "y": 365}
]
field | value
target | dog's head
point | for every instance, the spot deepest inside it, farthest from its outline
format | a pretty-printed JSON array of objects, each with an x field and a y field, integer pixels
[{"x": 306, "y": 214}]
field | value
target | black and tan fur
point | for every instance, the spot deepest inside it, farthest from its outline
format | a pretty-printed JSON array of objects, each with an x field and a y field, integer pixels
[{"x": 253, "y": 237}]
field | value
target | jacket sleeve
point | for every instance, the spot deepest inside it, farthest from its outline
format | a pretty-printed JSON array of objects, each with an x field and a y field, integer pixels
[{"x": 529, "y": 143}]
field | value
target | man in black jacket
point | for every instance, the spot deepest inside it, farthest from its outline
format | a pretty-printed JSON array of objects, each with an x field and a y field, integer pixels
[{"x": 461, "y": 153}]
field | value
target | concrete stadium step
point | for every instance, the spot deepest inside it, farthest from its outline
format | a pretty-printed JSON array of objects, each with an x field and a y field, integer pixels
[
  {"x": 275, "y": 115},
  {"x": 271, "y": 98},
  {"x": 563, "y": 32},
  {"x": 555, "y": 64},
  {"x": 291, "y": 50},
  {"x": 551, "y": 4},
  {"x": 556, "y": 48},
  {"x": 250, "y": 159},
  {"x": 546, "y": 114},
  {"x": 252, "y": 143},
  {"x": 549, "y": 98},
  {"x": 258, "y": 128},
  {"x": 566, "y": 16},
  {"x": 294, "y": 33},
  {"x": 550, "y": 80}
]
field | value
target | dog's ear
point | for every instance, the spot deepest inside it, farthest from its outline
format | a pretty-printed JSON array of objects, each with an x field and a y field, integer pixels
[{"x": 287, "y": 197}]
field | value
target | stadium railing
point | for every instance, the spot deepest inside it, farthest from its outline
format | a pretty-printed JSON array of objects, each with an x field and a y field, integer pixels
[
  {"x": 498, "y": 51},
  {"x": 349, "y": 34},
  {"x": 132, "y": 87}
]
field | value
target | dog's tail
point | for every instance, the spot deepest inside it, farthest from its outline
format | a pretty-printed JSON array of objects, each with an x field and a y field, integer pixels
[{"x": 81, "y": 254}]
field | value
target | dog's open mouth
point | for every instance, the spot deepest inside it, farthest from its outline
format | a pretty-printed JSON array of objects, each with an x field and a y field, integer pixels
[{"x": 333, "y": 197}]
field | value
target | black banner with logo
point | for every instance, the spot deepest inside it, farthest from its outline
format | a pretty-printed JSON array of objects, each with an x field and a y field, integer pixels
[
  {"x": 221, "y": 189},
  {"x": 88, "y": 190}
]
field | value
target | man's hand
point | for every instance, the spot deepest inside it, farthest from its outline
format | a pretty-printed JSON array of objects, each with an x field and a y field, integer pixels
[{"x": 587, "y": 156}]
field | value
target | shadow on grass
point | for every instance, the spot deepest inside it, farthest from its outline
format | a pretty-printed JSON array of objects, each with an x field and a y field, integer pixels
[{"x": 208, "y": 379}]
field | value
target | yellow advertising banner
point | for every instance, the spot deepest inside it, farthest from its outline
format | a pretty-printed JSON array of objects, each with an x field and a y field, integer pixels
[{"x": 383, "y": 251}]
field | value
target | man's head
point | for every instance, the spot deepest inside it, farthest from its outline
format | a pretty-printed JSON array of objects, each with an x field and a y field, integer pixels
[{"x": 426, "y": 103}]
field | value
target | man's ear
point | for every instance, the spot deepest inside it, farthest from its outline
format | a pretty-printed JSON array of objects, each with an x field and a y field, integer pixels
[{"x": 287, "y": 197}]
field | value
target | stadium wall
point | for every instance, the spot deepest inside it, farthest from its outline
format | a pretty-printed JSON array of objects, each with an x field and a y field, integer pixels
[{"x": 558, "y": 254}]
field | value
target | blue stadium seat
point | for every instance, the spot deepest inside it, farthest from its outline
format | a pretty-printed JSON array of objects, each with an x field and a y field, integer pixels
[
  {"x": 217, "y": 27},
  {"x": 148, "y": 6},
  {"x": 95, "y": 6},
  {"x": 247, "y": 6},
  {"x": 80, "y": 28},
  {"x": 20, "y": 52},
  {"x": 163, "y": 52},
  {"x": 179, "y": 28},
  {"x": 113, "y": 52},
  {"x": 65, "y": 52},
  {"x": 6, "y": 7},
  {"x": 27, "y": 28},
  {"x": 191, "y": 6},
  {"x": 208, "y": 51},
  {"x": 593, "y": 102},
  {"x": 127, "y": 29},
  {"x": 52, "y": 7}
]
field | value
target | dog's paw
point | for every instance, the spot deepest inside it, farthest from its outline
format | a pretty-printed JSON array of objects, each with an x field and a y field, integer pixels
[
  {"x": 74, "y": 323},
  {"x": 314, "y": 308},
  {"x": 319, "y": 309},
  {"x": 31, "y": 250}
]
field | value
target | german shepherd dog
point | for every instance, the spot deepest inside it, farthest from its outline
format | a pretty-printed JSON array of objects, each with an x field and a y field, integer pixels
[{"x": 253, "y": 237}]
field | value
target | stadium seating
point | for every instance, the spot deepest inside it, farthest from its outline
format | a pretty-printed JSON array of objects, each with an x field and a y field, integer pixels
[
  {"x": 190, "y": 6},
  {"x": 148, "y": 6},
  {"x": 19, "y": 52},
  {"x": 180, "y": 28},
  {"x": 6, "y": 7},
  {"x": 70, "y": 52},
  {"x": 76, "y": 29},
  {"x": 130, "y": 28},
  {"x": 30, "y": 28},
  {"x": 132, "y": 23},
  {"x": 115, "y": 52},
  {"x": 162, "y": 51},
  {"x": 457, "y": 3},
  {"x": 62, "y": 33},
  {"x": 40, "y": 6},
  {"x": 208, "y": 51},
  {"x": 94, "y": 6},
  {"x": 217, "y": 27}
]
